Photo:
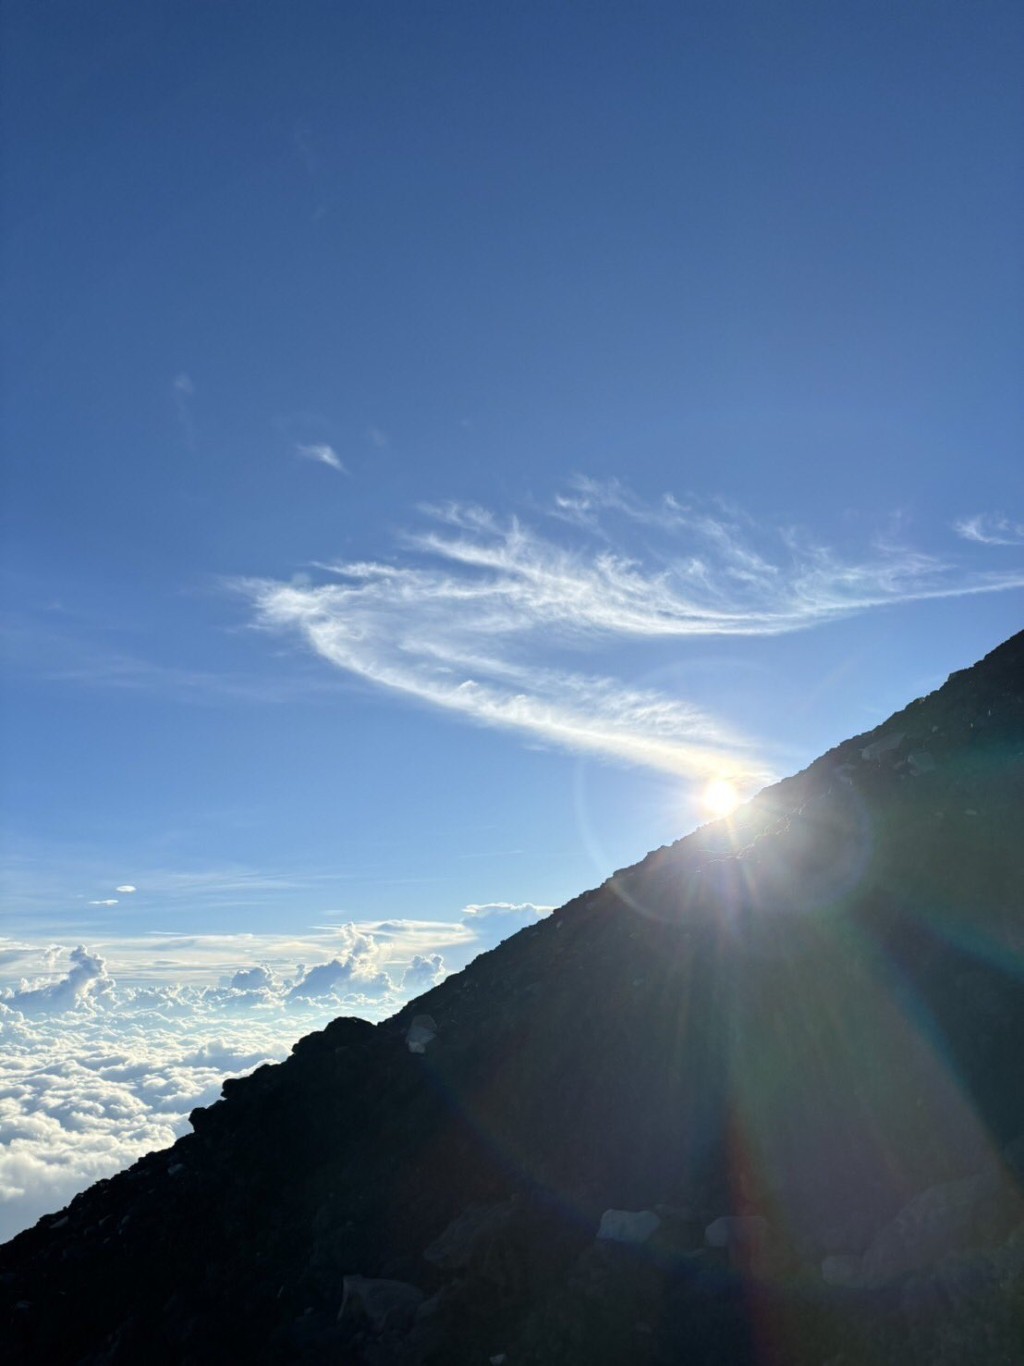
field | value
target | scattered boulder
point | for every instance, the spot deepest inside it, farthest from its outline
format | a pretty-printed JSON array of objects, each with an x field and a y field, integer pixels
[
  {"x": 384, "y": 1305},
  {"x": 627, "y": 1226},
  {"x": 945, "y": 1220},
  {"x": 885, "y": 744},
  {"x": 737, "y": 1230},
  {"x": 468, "y": 1236},
  {"x": 841, "y": 1268},
  {"x": 745, "y": 1239},
  {"x": 920, "y": 762}
]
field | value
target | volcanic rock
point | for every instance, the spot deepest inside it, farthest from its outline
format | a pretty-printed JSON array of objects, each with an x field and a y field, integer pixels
[{"x": 627, "y": 1226}]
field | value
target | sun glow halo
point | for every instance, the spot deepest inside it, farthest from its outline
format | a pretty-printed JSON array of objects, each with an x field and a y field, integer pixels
[{"x": 720, "y": 798}]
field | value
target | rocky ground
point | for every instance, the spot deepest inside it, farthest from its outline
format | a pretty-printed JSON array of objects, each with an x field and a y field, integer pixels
[{"x": 756, "y": 1099}]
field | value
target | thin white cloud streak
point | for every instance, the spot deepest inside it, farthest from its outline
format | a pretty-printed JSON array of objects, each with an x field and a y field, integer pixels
[
  {"x": 184, "y": 391},
  {"x": 471, "y": 621},
  {"x": 59, "y": 886},
  {"x": 323, "y": 454},
  {"x": 302, "y": 140},
  {"x": 990, "y": 529}
]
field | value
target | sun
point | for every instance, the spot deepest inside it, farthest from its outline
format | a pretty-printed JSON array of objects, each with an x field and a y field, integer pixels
[{"x": 720, "y": 798}]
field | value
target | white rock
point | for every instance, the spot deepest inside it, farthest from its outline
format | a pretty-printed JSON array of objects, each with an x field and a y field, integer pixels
[
  {"x": 627, "y": 1226},
  {"x": 421, "y": 1032}
]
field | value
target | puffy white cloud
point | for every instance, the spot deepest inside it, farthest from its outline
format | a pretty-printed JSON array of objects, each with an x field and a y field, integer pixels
[
  {"x": 489, "y": 910},
  {"x": 494, "y": 921},
  {"x": 254, "y": 979},
  {"x": 82, "y": 984},
  {"x": 423, "y": 972},
  {"x": 338, "y": 978},
  {"x": 357, "y": 974}
]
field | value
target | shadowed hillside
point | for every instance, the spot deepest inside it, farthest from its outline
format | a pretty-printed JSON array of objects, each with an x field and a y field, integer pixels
[{"x": 775, "y": 1066}]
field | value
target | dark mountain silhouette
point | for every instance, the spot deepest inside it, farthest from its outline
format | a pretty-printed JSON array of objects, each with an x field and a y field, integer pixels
[{"x": 757, "y": 1098}]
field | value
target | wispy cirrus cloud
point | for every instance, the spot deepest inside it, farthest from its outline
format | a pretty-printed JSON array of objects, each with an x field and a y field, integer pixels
[
  {"x": 322, "y": 453},
  {"x": 989, "y": 528},
  {"x": 478, "y": 615}
]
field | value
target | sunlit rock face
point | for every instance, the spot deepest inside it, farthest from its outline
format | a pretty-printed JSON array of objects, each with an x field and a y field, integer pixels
[{"x": 792, "y": 1039}]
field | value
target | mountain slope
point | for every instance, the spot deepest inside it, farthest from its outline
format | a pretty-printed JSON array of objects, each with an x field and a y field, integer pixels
[{"x": 791, "y": 1038}]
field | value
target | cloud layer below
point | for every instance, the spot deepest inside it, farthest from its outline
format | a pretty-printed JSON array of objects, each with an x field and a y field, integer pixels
[{"x": 105, "y": 1051}]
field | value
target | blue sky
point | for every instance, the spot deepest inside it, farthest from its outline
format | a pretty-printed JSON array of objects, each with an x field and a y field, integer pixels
[{"x": 440, "y": 438}]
